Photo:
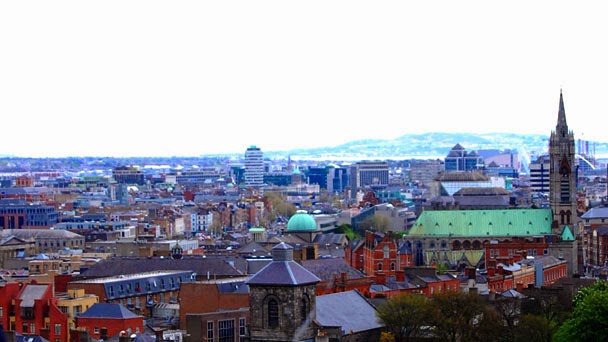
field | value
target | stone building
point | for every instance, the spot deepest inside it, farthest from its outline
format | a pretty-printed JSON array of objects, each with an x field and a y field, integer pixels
[{"x": 282, "y": 299}]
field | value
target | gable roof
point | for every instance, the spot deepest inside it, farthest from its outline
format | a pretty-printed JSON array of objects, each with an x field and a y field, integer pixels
[
  {"x": 108, "y": 310},
  {"x": 328, "y": 269},
  {"x": 470, "y": 223},
  {"x": 348, "y": 310}
]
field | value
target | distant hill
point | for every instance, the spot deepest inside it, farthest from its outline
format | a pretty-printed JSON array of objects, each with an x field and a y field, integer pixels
[{"x": 428, "y": 145}]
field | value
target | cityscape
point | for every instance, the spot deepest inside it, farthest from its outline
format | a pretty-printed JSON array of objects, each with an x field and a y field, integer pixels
[{"x": 495, "y": 241}]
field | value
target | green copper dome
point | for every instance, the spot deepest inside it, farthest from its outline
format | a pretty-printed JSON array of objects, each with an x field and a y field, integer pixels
[{"x": 301, "y": 221}]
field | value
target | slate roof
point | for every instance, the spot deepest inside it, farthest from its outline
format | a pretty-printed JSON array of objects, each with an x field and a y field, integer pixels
[
  {"x": 547, "y": 260},
  {"x": 348, "y": 310},
  {"x": 336, "y": 239},
  {"x": 596, "y": 213},
  {"x": 512, "y": 294},
  {"x": 471, "y": 223},
  {"x": 283, "y": 270},
  {"x": 253, "y": 248},
  {"x": 39, "y": 233},
  {"x": 108, "y": 310},
  {"x": 494, "y": 202},
  {"x": 233, "y": 287},
  {"x": 31, "y": 293},
  {"x": 486, "y": 191},
  {"x": 328, "y": 269},
  {"x": 219, "y": 266},
  {"x": 288, "y": 273}
]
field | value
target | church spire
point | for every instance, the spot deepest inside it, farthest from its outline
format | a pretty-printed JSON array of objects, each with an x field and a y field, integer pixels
[{"x": 562, "y": 125}]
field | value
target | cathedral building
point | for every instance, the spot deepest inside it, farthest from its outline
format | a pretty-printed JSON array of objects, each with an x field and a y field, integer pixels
[{"x": 455, "y": 237}]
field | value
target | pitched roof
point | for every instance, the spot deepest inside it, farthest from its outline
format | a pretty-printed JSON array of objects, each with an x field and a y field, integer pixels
[
  {"x": 328, "y": 269},
  {"x": 567, "y": 234},
  {"x": 40, "y": 233},
  {"x": 283, "y": 270},
  {"x": 288, "y": 273},
  {"x": 31, "y": 293},
  {"x": 595, "y": 213},
  {"x": 469, "y": 223},
  {"x": 108, "y": 310},
  {"x": 348, "y": 310},
  {"x": 219, "y": 266}
]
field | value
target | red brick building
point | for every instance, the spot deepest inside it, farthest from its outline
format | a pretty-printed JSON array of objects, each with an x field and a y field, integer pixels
[
  {"x": 337, "y": 276},
  {"x": 213, "y": 296},
  {"x": 517, "y": 248},
  {"x": 104, "y": 320},
  {"x": 32, "y": 310},
  {"x": 380, "y": 255}
]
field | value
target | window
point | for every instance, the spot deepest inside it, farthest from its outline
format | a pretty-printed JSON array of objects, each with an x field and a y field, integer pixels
[
  {"x": 304, "y": 308},
  {"x": 32, "y": 328},
  {"x": 380, "y": 266},
  {"x": 273, "y": 313},
  {"x": 491, "y": 253},
  {"x": 225, "y": 330},
  {"x": 210, "y": 330},
  {"x": 392, "y": 266},
  {"x": 96, "y": 330},
  {"x": 57, "y": 329},
  {"x": 1, "y": 312},
  {"x": 241, "y": 326},
  {"x": 386, "y": 251}
]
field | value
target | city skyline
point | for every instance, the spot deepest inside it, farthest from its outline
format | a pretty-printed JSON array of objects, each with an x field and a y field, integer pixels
[{"x": 141, "y": 78}]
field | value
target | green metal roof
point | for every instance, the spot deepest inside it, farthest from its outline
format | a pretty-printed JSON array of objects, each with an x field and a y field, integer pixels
[
  {"x": 300, "y": 222},
  {"x": 567, "y": 234},
  {"x": 471, "y": 223}
]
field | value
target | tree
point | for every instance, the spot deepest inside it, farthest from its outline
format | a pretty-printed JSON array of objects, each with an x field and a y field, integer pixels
[
  {"x": 589, "y": 320},
  {"x": 405, "y": 315},
  {"x": 459, "y": 316},
  {"x": 533, "y": 328}
]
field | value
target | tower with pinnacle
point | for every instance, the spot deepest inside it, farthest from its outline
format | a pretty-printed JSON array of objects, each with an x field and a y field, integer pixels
[{"x": 562, "y": 174}]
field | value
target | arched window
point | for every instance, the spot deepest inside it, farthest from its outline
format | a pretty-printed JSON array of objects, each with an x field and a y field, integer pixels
[
  {"x": 304, "y": 308},
  {"x": 273, "y": 313},
  {"x": 379, "y": 266},
  {"x": 392, "y": 266}
]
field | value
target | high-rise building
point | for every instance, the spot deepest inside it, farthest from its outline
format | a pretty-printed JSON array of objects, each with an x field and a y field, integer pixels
[
  {"x": 562, "y": 187},
  {"x": 254, "y": 166},
  {"x": 367, "y": 174},
  {"x": 458, "y": 159},
  {"x": 539, "y": 174}
]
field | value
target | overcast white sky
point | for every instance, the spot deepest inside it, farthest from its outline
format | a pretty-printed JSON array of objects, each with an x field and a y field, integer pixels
[{"x": 141, "y": 78}]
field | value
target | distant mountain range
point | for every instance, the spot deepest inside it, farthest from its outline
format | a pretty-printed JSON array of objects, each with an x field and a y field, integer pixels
[{"x": 432, "y": 145}]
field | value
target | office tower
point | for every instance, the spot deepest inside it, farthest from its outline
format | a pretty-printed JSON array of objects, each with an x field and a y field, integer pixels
[{"x": 254, "y": 166}]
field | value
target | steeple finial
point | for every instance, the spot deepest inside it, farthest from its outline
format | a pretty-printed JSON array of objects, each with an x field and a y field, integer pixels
[{"x": 561, "y": 116}]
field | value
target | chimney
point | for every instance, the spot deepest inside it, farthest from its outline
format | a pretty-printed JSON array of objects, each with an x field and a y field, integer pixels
[
  {"x": 519, "y": 287},
  {"x": 491, "y": 271},
  {"x": 343, "y": 278},
  {"x": 500, "y": 270}
]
